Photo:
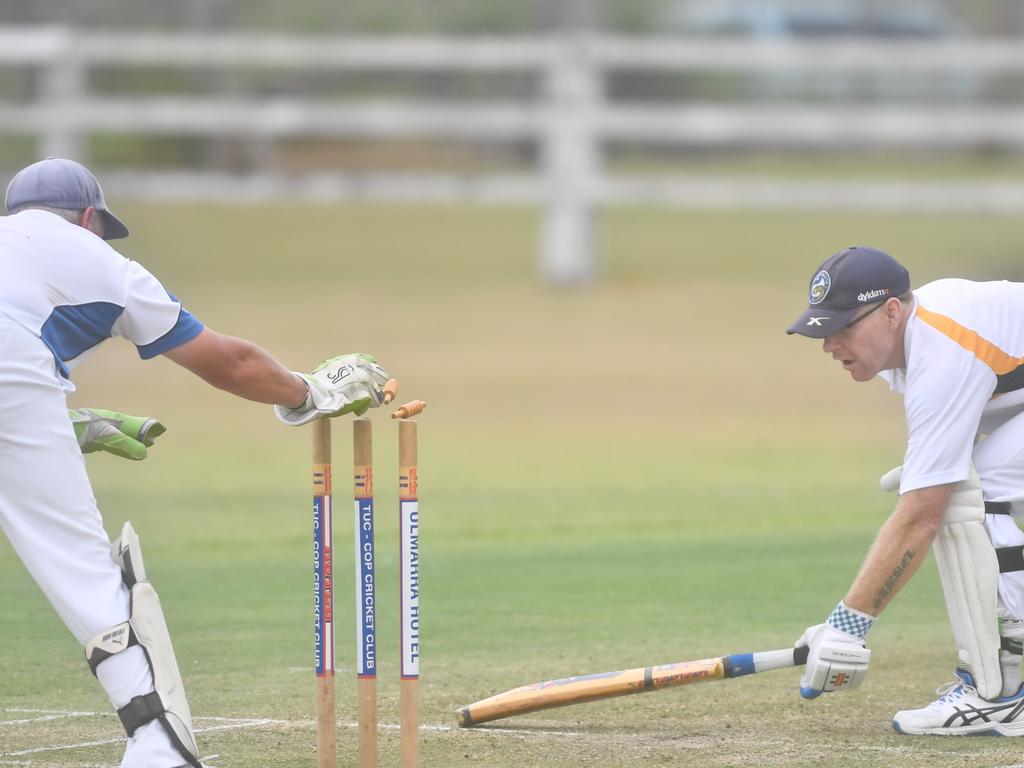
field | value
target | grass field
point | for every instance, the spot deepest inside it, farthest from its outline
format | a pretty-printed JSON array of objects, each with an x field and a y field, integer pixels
[{"x": 642, "y": 472}]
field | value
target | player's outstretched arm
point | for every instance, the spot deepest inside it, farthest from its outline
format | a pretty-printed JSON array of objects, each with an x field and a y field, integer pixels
[
  {"x": 239, "y": 367},
  {"x": 345, "y": 384}
]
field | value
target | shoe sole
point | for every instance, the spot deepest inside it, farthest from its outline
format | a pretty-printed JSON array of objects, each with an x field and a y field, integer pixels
[{"x": 981, "y": 729}]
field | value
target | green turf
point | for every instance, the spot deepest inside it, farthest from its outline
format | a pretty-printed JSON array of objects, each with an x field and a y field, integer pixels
[{"x": 643, "y": 472}]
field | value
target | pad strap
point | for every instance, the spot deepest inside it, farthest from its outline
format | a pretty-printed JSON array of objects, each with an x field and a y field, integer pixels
[
  {"x": 1010, "y": 559},
  {"x": 997, "y": 508},
  {"x": 139, "y": 711},
  {"x": 147, "y": 708},
  {"x": 1012, "y": 646}
]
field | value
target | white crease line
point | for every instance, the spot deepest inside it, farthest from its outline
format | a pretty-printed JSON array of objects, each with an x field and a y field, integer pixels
[
  {"x": 44, "y": 718},
  {"x": 37, "y": 750},
  {"x": 515, "y": 731},
  {"x": 480, "y": 731},
  {"x": 238, "y": 724},
  {"x": 231, "y": 724},
  {"x": 44, "y": 714},
  {"x": 32, "y": 763},
  {"x": 648, "y": 737},
  {"x": 235, "y": 722}
]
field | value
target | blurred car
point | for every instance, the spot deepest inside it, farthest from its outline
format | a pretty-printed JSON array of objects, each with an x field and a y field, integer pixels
[
  {"x": 778, "y": 19},
  {"x": 800, "y": 20}
]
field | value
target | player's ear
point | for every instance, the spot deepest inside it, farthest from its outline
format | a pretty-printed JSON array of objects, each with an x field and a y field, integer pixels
[
  {"x": 90, "y": 219},
  {"x": 893, "y": 311}
]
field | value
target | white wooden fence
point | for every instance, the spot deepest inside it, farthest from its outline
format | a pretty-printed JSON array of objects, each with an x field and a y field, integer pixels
[{"x": 571, "y": 120}]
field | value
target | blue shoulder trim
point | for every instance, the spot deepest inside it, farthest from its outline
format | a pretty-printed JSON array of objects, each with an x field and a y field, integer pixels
[
  {"x": 70, "y": 330},
  {"x": 186, "y": 329}
]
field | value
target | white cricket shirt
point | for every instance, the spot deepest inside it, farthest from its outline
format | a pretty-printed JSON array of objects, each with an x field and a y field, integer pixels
[
  {"x": 964, "y": 347},
  {"x": 72, "y": 290}
]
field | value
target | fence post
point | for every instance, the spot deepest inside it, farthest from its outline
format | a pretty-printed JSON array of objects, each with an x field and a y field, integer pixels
[
  {"x": 570, "y": 161},
  {"x": 61, "y": 89}
]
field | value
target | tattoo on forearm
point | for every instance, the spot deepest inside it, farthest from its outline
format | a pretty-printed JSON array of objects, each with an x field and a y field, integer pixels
[{"x": 890, "y": 583}]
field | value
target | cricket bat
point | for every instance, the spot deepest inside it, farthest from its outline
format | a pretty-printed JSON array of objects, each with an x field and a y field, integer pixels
[{"x": 606, "y": 685}]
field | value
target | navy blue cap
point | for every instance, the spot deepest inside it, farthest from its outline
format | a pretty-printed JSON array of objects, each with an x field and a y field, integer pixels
[
  {"x": 59, "y": 183},
  {"x": 845, "y": 282}
]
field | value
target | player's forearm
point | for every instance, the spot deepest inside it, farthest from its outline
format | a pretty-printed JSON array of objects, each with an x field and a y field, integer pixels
[
  {"x": 899, "y": 550},
  {"x": 258, "y": 376},
  {"x": 239, "y": 367}
]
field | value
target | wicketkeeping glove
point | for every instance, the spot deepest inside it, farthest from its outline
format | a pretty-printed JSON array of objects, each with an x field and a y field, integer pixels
[
  {"x": 117, "y": 433},
  {"x": 340, "y": 385},
  {"x": 837, "y": 658}
]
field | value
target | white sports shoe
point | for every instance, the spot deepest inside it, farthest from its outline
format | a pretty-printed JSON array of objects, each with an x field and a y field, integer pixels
[{"x": 960, "y": 711}]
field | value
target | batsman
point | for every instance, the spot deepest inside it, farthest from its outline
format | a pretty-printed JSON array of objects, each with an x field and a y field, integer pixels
[
  {"x": 64, "y": 291},
  {"x": 955, "y": 350}
]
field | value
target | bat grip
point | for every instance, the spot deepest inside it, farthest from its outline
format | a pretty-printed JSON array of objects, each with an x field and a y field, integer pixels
[
  {"x": 800, "y": 655},
  {"x": 740, "y": 664}
]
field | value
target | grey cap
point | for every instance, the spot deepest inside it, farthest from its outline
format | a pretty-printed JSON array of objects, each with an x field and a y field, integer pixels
[{"x": 59, "y": 183}]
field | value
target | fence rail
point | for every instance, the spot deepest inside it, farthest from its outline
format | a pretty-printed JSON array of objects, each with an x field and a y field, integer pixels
[
  {"x": 571, "y": 118},
  {"x": 191, "y": 50}
]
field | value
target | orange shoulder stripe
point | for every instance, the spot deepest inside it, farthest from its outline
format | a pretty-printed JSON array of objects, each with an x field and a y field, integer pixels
[{"x": 995, "y": 358}]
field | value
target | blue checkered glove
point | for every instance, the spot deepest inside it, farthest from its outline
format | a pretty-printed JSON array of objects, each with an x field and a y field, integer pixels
[{"x": 837, "y": 658}]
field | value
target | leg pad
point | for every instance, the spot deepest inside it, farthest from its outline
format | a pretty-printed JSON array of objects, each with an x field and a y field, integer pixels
[
  {"x": 969, "y": 571},
  {"x": 147, "y": 627}
]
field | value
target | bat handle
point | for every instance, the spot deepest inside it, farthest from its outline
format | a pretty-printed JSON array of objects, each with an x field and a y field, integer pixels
[
  {"x": 781, "y": 659},
  {"x": 740, "y": 664}
]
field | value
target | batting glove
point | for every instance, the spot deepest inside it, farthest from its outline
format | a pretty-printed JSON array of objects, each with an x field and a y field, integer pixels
[
  {"x": 117, "y": 433},
  {"x": 340, "y": 385},
  {"x": 837, "y": 658}
]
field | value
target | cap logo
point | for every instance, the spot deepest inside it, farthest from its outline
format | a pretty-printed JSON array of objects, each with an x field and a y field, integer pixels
[
  {"x": 869, "y": 295},
  {"x": 819, "y": 288}
]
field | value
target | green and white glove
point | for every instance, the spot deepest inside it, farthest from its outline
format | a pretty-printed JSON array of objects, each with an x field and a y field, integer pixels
[
  {"x": 117, "y": 433},
  {"x": 340, "y": 385}
]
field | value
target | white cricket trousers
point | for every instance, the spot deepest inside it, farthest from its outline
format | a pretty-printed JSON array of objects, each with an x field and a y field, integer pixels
[{"x": 49, "y": 515}]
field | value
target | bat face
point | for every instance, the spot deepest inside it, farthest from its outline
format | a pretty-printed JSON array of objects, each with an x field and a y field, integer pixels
[
  {"x": 581, "y": 679},
  {"x": 576, "y": 690},
  {"x": 605, "y": 685}
]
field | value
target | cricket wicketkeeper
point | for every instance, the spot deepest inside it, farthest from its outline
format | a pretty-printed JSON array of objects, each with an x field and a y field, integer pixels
[
  {"x": 955, "y": 350},
  {"x": 64, "y": 290}
]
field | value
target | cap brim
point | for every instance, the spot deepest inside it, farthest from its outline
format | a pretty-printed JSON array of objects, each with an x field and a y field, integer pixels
[
  {"x": 817, "y": 323},
  {"x": 113, "y": 227}
]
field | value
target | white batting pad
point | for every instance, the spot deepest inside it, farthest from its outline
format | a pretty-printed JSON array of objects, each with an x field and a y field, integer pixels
[
  {"x": 969, "y": 572},
  {"x": 127, "y": 553},
  {"x": 151, "y": 630},
  {"x": 147, "y": 621}
]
